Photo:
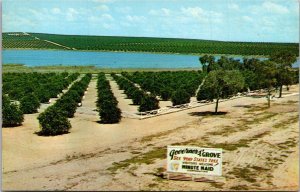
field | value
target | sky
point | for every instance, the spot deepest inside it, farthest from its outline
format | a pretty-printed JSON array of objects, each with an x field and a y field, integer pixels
[{"x": 225, "y": 20}]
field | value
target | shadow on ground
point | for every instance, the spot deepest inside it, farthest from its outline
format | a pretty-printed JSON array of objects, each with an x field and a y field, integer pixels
[
  {"x": 207, "y": 113},
  {"x": 243, "y": 106}
]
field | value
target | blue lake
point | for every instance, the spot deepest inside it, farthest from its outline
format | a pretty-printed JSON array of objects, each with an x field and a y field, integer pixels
[{"x": 102, "y": 59}]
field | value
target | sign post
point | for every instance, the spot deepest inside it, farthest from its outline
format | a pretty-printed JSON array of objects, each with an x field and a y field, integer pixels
[{"x": 193, "y": 161}]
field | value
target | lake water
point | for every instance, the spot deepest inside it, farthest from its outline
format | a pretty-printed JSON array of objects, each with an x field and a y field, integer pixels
[{"x": 102, "y": 59}]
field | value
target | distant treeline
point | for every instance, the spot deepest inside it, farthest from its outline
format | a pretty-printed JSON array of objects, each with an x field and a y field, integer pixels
[{"x": 143, "y": 44}]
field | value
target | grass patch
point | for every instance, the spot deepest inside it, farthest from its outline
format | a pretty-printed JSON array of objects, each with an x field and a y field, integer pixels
[
  {"x": 244, "y": 173},
  {"x": 259, "y": 169},
  {"x": 256, "y": 108},
  {"x": 239, "y": 187},
  {"x": 151, "y": 185},
  {"x": 261, "y": 135},
  {"x": 286, "y": 123},
  {"x": 231, "y": 146},
  {"x": 217, "y": 185},
  {"x": 146, "y": 158},
  {"x": 135, "y": 152},
  {"x": 225, "y": 131},
  {"x": 287, "y": 144},
  {"x": 291, "y": 102},
  {"x": 150, "y": 137},
  {"x": 266, "y": 115}
]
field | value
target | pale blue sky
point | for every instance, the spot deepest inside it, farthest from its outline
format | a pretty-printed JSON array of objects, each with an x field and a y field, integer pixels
[{"x": 227, "y": 20}]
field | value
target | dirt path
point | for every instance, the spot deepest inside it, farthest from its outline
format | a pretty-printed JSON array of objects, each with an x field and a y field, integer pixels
[
  {"x": 260, "y": 149},
  {"x": 88, "y": 108},
  {"x": 124, "y": 104}
]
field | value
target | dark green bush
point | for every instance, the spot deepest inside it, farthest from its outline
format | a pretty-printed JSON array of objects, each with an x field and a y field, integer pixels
[
  {"x": 203, "y": 94},
  {"x": 109, "y": 113},
  {"x": 53, "y": 122},
  {"x": 180, "y": 97},
  {"x": 166, "y": 93},
  {"x": 68, "y": 106},
  {"x": 29, "y": 104},
  {"x": 11, "y": 114},
  {"x": 137, "y": 96},
  {"x": 148, "y": 103},
  {"x": 43, "y": 95},
  {"x": 107, "y": 104}
]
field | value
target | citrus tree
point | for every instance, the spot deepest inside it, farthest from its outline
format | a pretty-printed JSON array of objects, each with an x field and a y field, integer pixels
[
  {"x": 11, "y": 114},
  {"x": 221, "y": 84},
  {"x": 180, "y": 97},
  {"x": 283, "y": 61},
  {"x": 53, "y": 122},
  {"x": 29, "y": 104}
]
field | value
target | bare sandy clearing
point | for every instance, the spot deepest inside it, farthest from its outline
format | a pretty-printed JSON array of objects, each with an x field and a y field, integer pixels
[{"x": 112, "y": 157}]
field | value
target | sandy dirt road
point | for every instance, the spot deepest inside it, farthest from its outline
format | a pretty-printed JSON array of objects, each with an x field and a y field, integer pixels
[{"x": 260, "y": 148}]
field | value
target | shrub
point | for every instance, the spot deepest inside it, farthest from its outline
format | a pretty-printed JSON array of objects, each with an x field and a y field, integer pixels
[
  {"x": 53, "y": 122},
  {"x": 11, "y": 114},
  {"x": 180, "y": 97},
  {"x": 137, "y": 96},
  {"x": 203, "y": 94},
  {"x": 29, "y": 104},
  {"x": 148, "y": 103},
  {"x": 107, "y": 104},
  {"x": 109, "y": 113},
  {"x": 68, "y": 106},
  {"x": 165, "y": 93},
  {"x": 43, "y": 95},
  {"x": 74, "y": 96}
]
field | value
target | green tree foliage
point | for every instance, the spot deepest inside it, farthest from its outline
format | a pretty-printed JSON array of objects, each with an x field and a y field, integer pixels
[
  {"x": 138, "y": 96},
  {"x": 146, "y": 44},
  {"x": 11, "y": 114},
  {"x": 163, "y": 83},
  {"x": 267, "y": 77},
  {"x": 166, "y": 93},
  {"x": 53, "y": 122},
  {"x": 107, "y": 103},
  {"x": 43, "y": 85},
  {"x": 148, "y": 103},
  {"x": 208, "y": 63},
  {"x": 180, "y": 96},
  {"x": 221, "y": 84},
  {"x": 109, "y": 113},
  {"x": 29, "y": 104},
  {"x": 68, "y": 106},
  {"x": 284, "y": 61}
]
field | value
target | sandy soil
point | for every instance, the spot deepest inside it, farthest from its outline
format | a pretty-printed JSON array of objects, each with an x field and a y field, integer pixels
[{"x": 260, "y": 148}]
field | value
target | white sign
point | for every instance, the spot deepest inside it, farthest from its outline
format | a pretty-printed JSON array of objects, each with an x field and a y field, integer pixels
[{"x": 194, "y": 160}]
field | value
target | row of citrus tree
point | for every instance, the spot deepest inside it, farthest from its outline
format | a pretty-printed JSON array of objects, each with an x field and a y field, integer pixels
[
  {"x": 43, "y": 85},
  {"x": 107, "y": 104},
  {"x": 54, "y": 120},
  {"x": 146, "y": 102},
  {"x": 177, "y": 86},
  {"x": 167, "y": 45},
  {"x": 28, "y": 88}
]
